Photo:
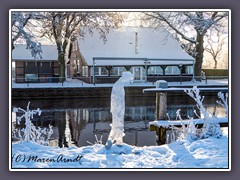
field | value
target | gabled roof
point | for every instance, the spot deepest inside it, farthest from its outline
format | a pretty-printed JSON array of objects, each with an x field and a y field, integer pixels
[
  {"x": 20, "y": 53},
  {"x": 120, "y": 48}
]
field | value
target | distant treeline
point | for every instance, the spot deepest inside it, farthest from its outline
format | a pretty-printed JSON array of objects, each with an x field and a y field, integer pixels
[{"x": 216, "y": 72}]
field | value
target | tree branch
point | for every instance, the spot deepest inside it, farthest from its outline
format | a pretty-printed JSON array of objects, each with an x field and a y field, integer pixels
[{"x": 162, "y": 18}]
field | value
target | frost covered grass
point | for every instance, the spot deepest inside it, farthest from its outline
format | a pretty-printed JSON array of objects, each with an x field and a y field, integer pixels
[{"x": 204, "y": 153}]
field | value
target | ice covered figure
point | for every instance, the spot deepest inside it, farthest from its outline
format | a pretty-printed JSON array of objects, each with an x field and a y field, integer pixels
[{"x": 118, "y": 109}]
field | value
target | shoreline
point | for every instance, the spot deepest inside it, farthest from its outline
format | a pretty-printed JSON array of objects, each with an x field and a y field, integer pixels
[{"x": 97, "y": 92}]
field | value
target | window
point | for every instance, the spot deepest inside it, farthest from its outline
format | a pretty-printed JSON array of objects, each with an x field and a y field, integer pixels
[
  {"x": 120, "y": 70},
  {"x": 68, "y": 71},
  {"x": 104, "y": 71},
  {"x": 96, "y": 71},
  {"x": 31, "y": 68},
  {"x": 159, "y": 70},
  {"x": 117, "y": 71},
  {"x": 189, "y": 69},
  {"x": 45, "y": 68},
  {"x": 85, "y": 71},
  {"x": 175, "y": 70},
  {"x": 31, "y": 77},
  {"x": 77, "y": 65},
  {"x": 100, "y": 71},
  {"x": 168, "y": 70},
  {"x": 172, "y": 70},
  {"x": 151, "y": 70},
  {"x": 114, "y": 71},
  {"x": 155, "y": 70}
]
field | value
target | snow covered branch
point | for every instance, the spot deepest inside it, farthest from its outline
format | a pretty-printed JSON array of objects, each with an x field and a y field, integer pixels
[
  {"x": 189, "y": 28},
  {"x": 19, "y": 32},
  {"x": 195, "y": 94},
  {"x": 169, "y": 19}
]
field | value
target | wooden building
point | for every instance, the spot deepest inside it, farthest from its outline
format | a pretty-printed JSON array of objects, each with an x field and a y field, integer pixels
[
  {"x": 150, "y": 54},
  {"x": 28, "y": 69}
]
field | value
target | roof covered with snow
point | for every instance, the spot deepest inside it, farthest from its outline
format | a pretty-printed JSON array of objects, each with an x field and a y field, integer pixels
[
  {"x": 49, "y": 53},
  {"x": 155, "y": 45}
]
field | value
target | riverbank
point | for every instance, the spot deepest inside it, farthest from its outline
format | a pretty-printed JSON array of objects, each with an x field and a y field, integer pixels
[
  {"x": 79, "y": 89},
  {"x": 211, "y": 153}
]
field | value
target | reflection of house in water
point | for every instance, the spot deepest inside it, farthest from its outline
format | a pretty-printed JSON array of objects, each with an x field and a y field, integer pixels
[
  {"x": 99, "y": 122},
  {"x": 79, "y": 125}
]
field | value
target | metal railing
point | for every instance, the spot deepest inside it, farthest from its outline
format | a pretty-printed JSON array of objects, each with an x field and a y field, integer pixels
[
  {"x": 112, "y": 79},
  {"x": 29, "y": 81}
]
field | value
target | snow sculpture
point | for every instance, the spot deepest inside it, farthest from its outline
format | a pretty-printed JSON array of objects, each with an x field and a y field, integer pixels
[{"x": 118, "y": 109}]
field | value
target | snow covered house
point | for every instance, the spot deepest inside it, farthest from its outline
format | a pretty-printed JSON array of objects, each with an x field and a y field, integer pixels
[
  {"x": 150, "y": 54},
  {"x": 28, "y": 68}
]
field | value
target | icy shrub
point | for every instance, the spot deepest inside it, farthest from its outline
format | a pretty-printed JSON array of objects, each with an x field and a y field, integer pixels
[
  {"x": 30, "y": 132},
  {"x": 224, "y": 101},
  {"x": 171, "y": 137},
  {"x": 97, "y": 141},
  {"x": 188, "y": 131},
  {"x": 210, "y": 125}
]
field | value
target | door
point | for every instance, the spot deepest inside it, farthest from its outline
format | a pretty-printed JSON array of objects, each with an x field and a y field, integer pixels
[{"x": 137, "y": 73}]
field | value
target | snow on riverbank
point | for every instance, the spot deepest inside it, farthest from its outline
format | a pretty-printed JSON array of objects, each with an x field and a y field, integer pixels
[
  {"x": 167, "y": 124},
  {"x": 77, "y": 83},
  {"x": 205, "y": 153}
]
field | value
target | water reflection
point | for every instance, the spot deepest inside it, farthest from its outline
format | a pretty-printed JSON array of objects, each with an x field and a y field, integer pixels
[{"x": 76, "y": 123}]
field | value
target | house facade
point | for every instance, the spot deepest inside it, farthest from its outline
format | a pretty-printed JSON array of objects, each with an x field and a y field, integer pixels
[
  {"x": 150, "y": 54},
  {"x": 28, "y": 69}
]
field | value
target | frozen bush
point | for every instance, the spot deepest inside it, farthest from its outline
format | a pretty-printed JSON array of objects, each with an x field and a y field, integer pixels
[
  {"x": 210, "y": 125},
  {"x": 224, "y": 101},
  {"x": 187, "y": 131},
  {"x": 30, "y": 132}
]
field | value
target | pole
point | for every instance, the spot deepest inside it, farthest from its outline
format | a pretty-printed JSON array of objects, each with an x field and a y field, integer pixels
[
  {"x": 161, "y": 111},
  {"x": 193, "y": 79},
  {"x": 146, "y": 70},
  {"x": 180, "y": 67},
  {"x": 93, "y": 71}
]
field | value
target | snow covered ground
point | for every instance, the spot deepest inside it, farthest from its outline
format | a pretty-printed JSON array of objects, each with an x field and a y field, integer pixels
[
  {"x": 78, "y": 83},
  {"x": 206, "y": 153}
]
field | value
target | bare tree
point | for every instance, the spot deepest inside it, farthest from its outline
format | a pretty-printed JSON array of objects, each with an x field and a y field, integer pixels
[
  {"x": 190, "y": 29},
  {"x": 19, "y": 21},
  {"x": 61, "y": 27},
  {"x": 215, "y": 47}
]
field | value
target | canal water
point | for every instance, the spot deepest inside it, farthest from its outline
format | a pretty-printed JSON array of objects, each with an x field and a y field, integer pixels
[{"x": 77, "y": 122}]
